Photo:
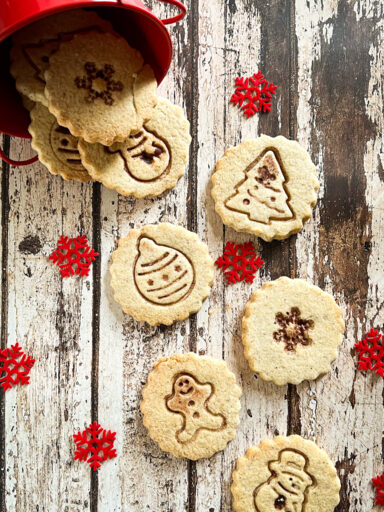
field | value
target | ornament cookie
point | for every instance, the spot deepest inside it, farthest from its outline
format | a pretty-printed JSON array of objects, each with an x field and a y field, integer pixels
[
  {"x": 267, "y": 186},
  {"x": 291, "y": 331},
  {"x": 149, "y": 161},
  {"x": 191, "y": 405},
  {"x": 56, "y": 147},
  {"x": 91, "y": 88},
  {"x": 161, "y": 273},
  {"x": 288, "y": 474},
  {"x": 34, "y": 45}
]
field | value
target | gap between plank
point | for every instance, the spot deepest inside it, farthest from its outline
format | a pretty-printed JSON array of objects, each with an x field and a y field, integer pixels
[
  {"x": 96, "y": 280},
  {"x": 294, "y": 414},
  {"x": 4, "y": 309},
  {"x": 193, "y": 113}
]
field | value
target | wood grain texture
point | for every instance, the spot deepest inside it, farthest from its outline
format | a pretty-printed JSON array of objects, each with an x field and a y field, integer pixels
[
  {"x": 327, "y": 58},
  {"x": 51, "y": 319}
]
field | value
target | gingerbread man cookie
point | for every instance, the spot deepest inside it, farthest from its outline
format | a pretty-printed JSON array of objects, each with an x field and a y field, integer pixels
[
  {"x": 147, "y": 162},
  {"x": 161, "y": 274},
  {"x": 191, "y": 405},
  {"x": 190, "y": 399},
  {"x": 291, "y": 331},
  {"x": 285, "y": 474},
  {"x": 267, "y": 187}
]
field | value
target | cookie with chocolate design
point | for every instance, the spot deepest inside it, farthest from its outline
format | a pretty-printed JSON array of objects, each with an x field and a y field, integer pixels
[
  {"x": 95, "y": 85},
  {"x": 34, "y": 45},
  {"x": 267, "y": 187},
  {"x": 291, "y": 331},
  {"x": 161, "y": 273},
  {"x": 56, "y": 146},
  {"x": 285, "y": 474},
  {"x": 147, "y": 162},
  {"x": 191, "y": 405}
]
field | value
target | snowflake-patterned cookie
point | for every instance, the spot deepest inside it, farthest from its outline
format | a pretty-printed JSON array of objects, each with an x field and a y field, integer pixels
[
  {"x": 267, "y": 186},
  {"x": 287, "y": 474},
  {"x": 103, "y": 94},
  {"x": 291, "y": 331},
  {"x": 191, "y": 405}
]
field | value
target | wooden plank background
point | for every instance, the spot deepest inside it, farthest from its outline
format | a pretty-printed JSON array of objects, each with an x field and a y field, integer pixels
[{"x": 327, "y": 58}]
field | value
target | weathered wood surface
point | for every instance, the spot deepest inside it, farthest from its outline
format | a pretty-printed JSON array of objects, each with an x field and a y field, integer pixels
[{"x": 327, "y": 58}]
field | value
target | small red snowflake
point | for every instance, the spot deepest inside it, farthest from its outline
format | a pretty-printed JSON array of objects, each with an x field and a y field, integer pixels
[
  {"x": 73, "y": 256},
  {"x": 15, "y": 365},
  {"x": 253, "y": 94},
  {"x": 239, "y": 262},
  {"x": 94, "y": 445},
  {"x": 371, "y": 353},
  {"x": 378, "y": 484}
]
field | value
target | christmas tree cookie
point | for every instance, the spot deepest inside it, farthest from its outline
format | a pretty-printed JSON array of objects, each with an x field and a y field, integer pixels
[
  {"x": 148, "y": 161},
  {"x": 288, "y": 474},
  {"x": 161, "y": 274},
  {"x": 291, "y": 331},
  {"x": 191, "y": 405},
  {"x": 266, "y": 186}
]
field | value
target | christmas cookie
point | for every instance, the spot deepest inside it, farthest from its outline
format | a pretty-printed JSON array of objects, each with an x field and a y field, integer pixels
[
  {"x": 34, "y": 45},
  {"x": 149, "y": 161},
  {"x": 288, "y": 474},
  {"x": 191, "y": 405},
  {"x": 161, "y": 274},
  {"x": 27, "y": 103},
  {"x": 266, "y": 186},
  {"x": 291, "y": 331},
  {"x": 56, "y": 147},
  {"x": 95, "y": 86}
]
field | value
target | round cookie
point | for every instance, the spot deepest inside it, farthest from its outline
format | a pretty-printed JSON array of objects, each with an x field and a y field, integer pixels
[
  {"x": 56, "y": 147},
  {"x": 34, "y": 45},
  {"x": 148, "y": 162},
  {"x": 285, "y": 474},
  {"x": 95, "y": 87},
  {"x": 191, "y": 405},
  {"x": 267, "y": 187},
  {"x": 161, "y": 273},
  {"x": 291, "y": 331}
]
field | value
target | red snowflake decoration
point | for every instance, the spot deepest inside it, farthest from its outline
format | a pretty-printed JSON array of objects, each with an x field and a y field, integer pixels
[
  {"x": 239, "y": 262},
  {"x": 253, "y": 94},
  {"x": 378, "y": 484},
  {"x": 15, "y": 365},
  {"x": 73, "y": 256},
  {"x": 371, "y": 353},
  {"x": 94, "y": 445}
]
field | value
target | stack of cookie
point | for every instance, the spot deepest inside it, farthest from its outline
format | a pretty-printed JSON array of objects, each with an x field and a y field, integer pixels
[{"x": 94, "y": 108}]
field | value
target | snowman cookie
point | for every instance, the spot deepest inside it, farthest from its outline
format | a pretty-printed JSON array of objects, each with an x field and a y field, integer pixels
[
  {"x": 56, "y": 147},
  {"x": 99, "y": 94},
  {"x": 161, "y": 273},
  {"x": 286, "y": 474},
  {"x": 34, "y": 45},
  {"x": 267, "y": 187},
  {"x": 291, "y": 331},
  {"x": 191, "y": 405},
  {"x": 148, "y": 161}
]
